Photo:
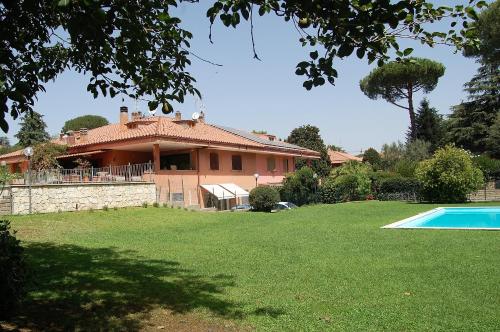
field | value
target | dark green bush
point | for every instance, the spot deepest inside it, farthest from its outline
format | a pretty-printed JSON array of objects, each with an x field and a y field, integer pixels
[
  {"x": 398, "y": 188},
  {"x": 342, "y": 189},
  {"x": 13, "y": 272},
  {"x": 300, "y": 187},
  {"x": 489, "y": 166},
  {"x": 264, "y": 198},
  {"x": 377, "y": 178}
]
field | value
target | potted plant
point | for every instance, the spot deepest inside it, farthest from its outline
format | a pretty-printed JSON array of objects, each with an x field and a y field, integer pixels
[{"x": 84, "y": 165}]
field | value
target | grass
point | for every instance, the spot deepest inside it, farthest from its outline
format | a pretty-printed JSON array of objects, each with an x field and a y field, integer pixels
[{"x": 312, "y": 269}]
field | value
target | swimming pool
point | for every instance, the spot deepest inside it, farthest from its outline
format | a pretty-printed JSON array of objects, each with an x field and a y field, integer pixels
[{"x": 487, "y": 218}]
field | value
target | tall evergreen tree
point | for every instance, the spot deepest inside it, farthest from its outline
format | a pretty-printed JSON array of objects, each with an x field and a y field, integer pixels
[
  {"x": 429, "y": 125},
  {"x": 33, "y": 130},
  {"x": 308, "y": 137},
  {"x": 471, "y": 122}
]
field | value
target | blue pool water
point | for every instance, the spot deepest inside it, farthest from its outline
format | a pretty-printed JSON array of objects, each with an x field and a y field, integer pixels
[{"x": 463, "y": 218}]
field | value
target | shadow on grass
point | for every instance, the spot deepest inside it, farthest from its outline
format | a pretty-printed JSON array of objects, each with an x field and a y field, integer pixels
[{"x": 103, "y": 289}]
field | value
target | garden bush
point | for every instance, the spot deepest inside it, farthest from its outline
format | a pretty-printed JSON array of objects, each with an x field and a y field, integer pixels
[
  {"x": 13, "y": 271},
  {"x": 300, "y": 187},
  {"x": 489, "y": 166},
  {"x": 343, "y": 189},
  {"x": 264, "y": 198},
  {"x": 349, "y": 182},
  {"x": 449, "y": 176},
  {"x": 399, "y": 188}
]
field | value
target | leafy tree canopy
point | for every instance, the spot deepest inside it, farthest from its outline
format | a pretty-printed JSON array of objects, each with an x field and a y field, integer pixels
[
  {"x": 137, "y": 48},
  {"x": 487, "y": 31},
  {"x": 472, "y": 123},
  {"x": 44, "y": 155},
  {"x": 341, "y": 27},
  {"x": 85, "y": 121},
  {"x": 308, "y": 137},
  {"x": 397, "y": 81},
  {"x": 372, "y": 157},
  {"x": 335, "y": 148},
  {"x": 33, "y": 130}
]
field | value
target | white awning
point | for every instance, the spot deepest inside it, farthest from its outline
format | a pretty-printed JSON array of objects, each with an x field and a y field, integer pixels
[
  {"x": 238, "y": 191},
  {"x": 218, "y": 191}
]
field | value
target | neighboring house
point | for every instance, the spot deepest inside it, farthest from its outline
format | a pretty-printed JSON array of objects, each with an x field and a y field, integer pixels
[
  {"x": 338, "y": 158},
  {"x": 193, "y": 162}
]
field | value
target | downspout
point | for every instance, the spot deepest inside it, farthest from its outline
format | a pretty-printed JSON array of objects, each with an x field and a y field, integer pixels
[{"x": 198, "y": 189}]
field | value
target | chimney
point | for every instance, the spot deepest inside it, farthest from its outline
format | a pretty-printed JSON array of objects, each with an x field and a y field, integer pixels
[
  {"x": 178, "y": 116},
  {"x": 136, "y": 116},
  {"x": 123, "y": 115},
  {"x": 201, "y": 119},
  {"x": 61, "y": 136},
  {"x": 70, "y": 137},
  {"x": 83, "y": 135}
]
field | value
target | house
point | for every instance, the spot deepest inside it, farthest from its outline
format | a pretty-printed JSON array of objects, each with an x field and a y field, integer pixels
[
  {"x": 338, "y": 158},
  {"x": 192, "y": 162}
]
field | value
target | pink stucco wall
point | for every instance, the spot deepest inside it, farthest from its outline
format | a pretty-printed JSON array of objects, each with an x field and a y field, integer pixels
[{"x": 187, "y": 182}]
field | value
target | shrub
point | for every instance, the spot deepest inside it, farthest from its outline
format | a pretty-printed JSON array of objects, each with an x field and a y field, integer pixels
[
  {"x": 449, "y": 176},
  {"x": 406, "y": 168},
  {"x": 165, "y": 205},
  {"x": 352, "y": 173},
  {"x": 343, "y": 189},
  {"x": 145, "y": 204},
  {"x": 489, "y": 166},
  {"x": 264, "y": 198},
  {"x": 399, "y": 188},
  {"x": 155, "y": 204},
  {"x": 13, "y": 271},
  {"x": 377, "y": 177},
  {"x": 300, "y": 187},
  {"x": 105, "y": 208}
]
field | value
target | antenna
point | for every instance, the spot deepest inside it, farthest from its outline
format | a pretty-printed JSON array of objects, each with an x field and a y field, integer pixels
[{"x": 199, "y": 104}]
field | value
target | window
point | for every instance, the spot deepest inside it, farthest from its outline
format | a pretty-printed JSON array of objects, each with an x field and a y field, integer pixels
[
  {"x": 285, "y": 165},
  {"x": 214, "y": 161},
  {"x": 271, "y": 164},
  {"x": 181, "y": 161},
  {"x": 497, "y": 184},
  {"x": 237, "y": 164}
]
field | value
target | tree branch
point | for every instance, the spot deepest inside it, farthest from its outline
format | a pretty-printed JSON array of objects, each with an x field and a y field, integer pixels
[
  {"x": 400, "y": 106},
  {"x": 255, "y": 56}
]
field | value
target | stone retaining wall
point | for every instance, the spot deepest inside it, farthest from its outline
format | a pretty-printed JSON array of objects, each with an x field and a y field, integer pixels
[{"x": 73, "y": 197}]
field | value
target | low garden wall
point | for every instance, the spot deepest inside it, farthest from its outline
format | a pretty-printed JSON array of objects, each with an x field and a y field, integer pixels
[
  {"x": 490, "y": 193},
  {"x": 85, "y": 196}
]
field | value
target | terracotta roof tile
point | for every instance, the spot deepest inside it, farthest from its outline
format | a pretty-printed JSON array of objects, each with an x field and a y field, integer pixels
[
  {"x": 170, "y": 129},
  {"x": 337, "y": 157}
]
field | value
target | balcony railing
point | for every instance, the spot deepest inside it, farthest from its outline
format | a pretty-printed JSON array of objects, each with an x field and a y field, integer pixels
[{"x": 122, "y": 173}]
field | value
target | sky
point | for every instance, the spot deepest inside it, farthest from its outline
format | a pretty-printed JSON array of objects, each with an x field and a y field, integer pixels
[{"x": 267, "y": 95}]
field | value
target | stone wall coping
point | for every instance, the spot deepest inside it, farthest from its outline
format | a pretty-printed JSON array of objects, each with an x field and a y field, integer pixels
[{"x": 78, "y": 184}]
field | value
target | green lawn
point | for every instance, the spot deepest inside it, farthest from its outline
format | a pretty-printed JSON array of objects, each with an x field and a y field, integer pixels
[{"x": 326, "y": 267}]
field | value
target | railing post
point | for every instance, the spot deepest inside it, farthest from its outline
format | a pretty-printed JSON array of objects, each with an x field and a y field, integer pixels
[
  {"x": 91, "y": 173},
  {"x": 129, "y": 172}
]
